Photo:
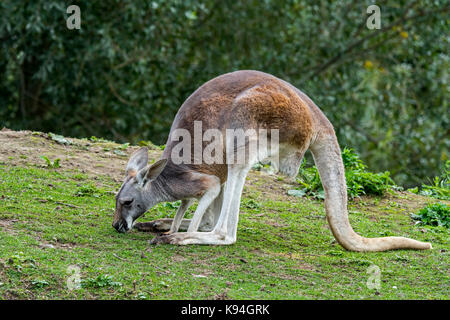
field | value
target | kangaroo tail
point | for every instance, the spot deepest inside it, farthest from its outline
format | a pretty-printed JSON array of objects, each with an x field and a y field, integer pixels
[{"x": 327, "y": 156}]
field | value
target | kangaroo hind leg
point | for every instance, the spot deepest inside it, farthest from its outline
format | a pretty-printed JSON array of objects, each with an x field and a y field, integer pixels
[{"x": 290, "y": 161}]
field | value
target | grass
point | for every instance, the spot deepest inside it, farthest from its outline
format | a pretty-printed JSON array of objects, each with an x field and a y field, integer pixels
[{"x": 55, "y": 229}]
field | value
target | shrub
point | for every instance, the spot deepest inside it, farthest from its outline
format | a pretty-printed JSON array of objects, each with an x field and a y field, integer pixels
[
  {"x": 439, "y": 187},
  {"x": 437, "y": 214},
  {"x": 359, "y": 180}
]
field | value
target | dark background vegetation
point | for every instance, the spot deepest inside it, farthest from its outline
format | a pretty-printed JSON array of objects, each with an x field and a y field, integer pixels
[{"x": 124, "y": 75}]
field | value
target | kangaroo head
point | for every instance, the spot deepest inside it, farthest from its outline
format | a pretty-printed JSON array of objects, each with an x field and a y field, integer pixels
[{"x": 136, "y": 196}]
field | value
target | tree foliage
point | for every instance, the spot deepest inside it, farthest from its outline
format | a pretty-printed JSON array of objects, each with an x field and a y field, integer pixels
[{"x": 126, "y": 72}]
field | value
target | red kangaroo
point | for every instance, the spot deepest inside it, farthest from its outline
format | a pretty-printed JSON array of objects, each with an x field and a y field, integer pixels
[{"x": 240, "y": 100}]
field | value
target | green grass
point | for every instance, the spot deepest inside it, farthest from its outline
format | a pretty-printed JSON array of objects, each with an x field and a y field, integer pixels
[{"x": 53, "y": 220}]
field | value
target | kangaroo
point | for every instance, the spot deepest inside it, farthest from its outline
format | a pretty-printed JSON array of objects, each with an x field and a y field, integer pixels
[{"x": 239, "y": 100}]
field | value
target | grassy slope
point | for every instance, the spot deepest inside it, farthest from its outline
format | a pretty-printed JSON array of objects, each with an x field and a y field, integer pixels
[{"x": 53, "y": 218}]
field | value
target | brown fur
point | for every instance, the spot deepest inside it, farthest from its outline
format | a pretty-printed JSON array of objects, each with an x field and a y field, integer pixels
[{"x": 244, "y": 99}]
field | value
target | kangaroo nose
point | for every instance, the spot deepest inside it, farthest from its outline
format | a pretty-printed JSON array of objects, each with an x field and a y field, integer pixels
[{"x": 118, "y": 226}]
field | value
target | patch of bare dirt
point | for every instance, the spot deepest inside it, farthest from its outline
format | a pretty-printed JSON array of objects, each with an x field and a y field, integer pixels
[
  {"x": 398, "y": 201},
  {"x": 222, "y": 295},
  {"x": 178, "y": 258},
  {"x": 7, "y": 226},
  {"x": 24, "y": 148},
  {"x": 299, "y": 259},
  {"x": 270, "y": 187}
]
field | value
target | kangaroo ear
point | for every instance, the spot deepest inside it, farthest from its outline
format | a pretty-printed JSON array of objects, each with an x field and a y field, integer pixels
[
  {"x": 151, "y": 172},
  {"x": 138, "y": 160}
]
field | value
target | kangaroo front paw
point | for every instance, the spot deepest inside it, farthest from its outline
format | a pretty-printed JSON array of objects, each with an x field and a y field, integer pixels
[
  {"x": 145, "y": 226},
  {"x": 170, "y": 238},
  {"x": 162, "y": 239},
  {"x": 187, "y": 238},
  {"x": 155, "y": 226}
]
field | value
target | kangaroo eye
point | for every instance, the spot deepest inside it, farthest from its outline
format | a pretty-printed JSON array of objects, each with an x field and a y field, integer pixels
[{"x": 126, "y": 202}]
